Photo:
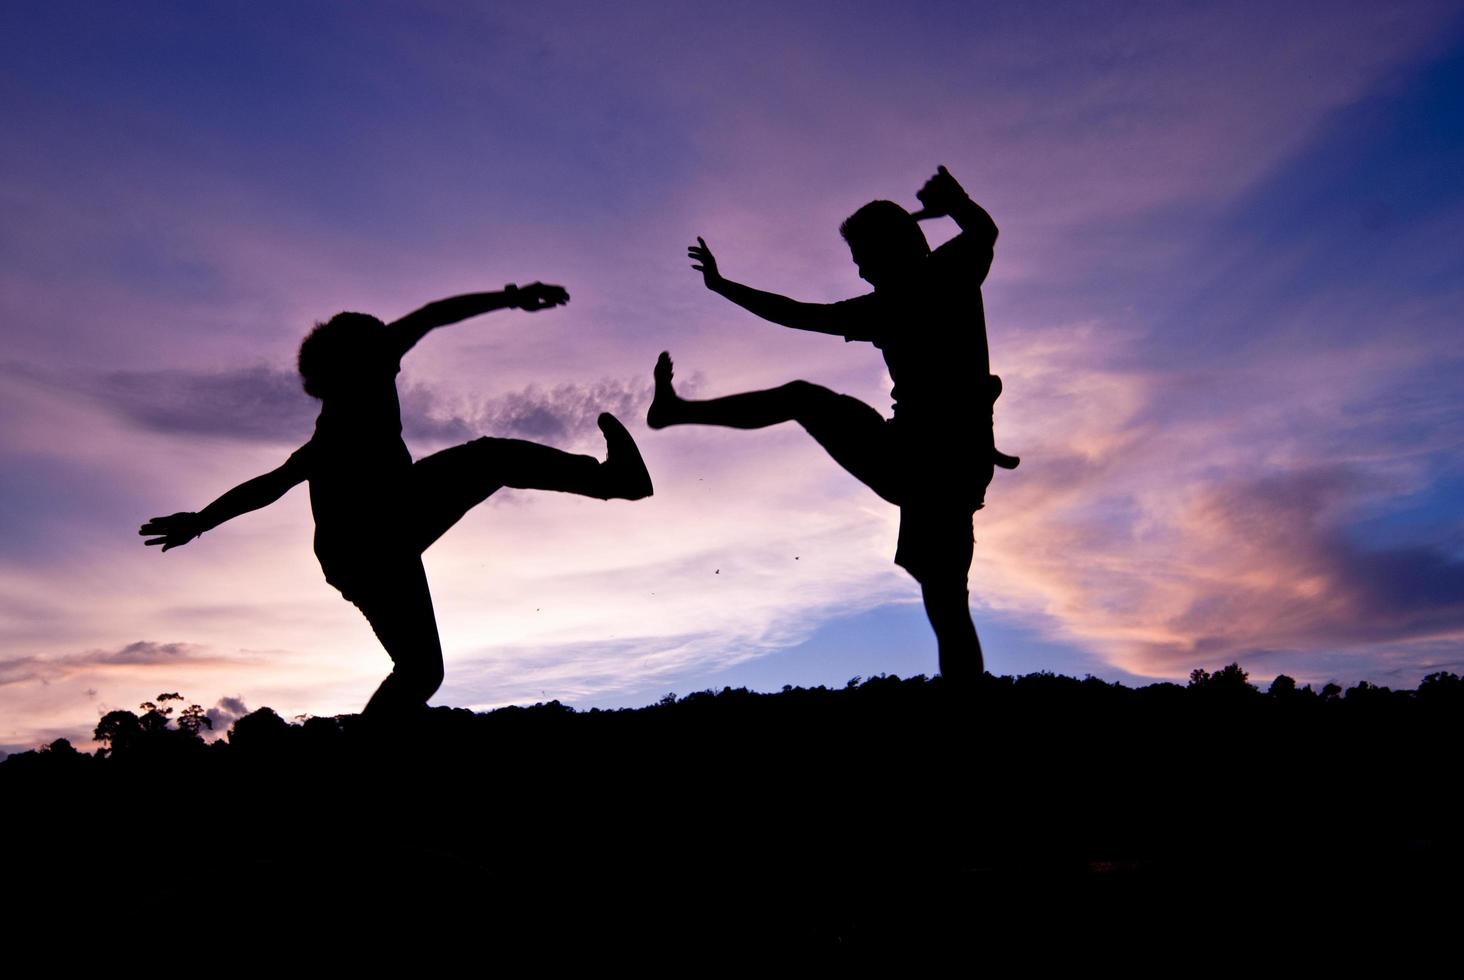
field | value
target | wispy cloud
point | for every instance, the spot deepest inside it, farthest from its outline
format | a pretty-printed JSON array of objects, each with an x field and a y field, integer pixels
[
  {"x": 143, "y": 653},
  {"x": 561, "y": 413},
  {"x": 256, "y": 403},
  {"x": 262, "y": 404},
  {"x": 1267, "y": 569},
  {"x": 1168, "y": 535}
]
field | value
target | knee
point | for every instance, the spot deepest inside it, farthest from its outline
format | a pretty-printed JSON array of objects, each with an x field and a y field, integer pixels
[
  {"x": 801, "y": 389},
  {"x": 422, "y": 679},
  {"x": 487, "y": 451},
  {"x": 945, "y": 594},
  {"x": 430, "y": 678},
  {"x": 805, "y": 396}
]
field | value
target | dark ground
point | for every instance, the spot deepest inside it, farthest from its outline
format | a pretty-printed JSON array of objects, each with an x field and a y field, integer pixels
[{"x": 1048, "y": 814}]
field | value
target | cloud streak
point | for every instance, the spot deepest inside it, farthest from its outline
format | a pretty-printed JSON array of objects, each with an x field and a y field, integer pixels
[
  {"x": 262, "y": 404},
  {"x": 142, "y": 653},
  {"x": 1270, "y": 570}
]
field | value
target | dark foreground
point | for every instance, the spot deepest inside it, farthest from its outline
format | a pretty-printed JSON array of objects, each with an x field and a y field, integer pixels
[{"x": 887, "y": 816}]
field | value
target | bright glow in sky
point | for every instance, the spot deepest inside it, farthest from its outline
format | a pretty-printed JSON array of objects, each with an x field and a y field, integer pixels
[{"x": 1225, "y": 302}]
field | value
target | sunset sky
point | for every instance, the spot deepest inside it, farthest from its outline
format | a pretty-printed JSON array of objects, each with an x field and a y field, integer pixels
[{"x": 1225, "y": 302}]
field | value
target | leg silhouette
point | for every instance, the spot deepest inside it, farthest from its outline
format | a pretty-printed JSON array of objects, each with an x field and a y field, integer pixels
[
  {"x": 948, "y": 606},
  {"x": 868, "y": 447},
  {"x": 398, "y": 605},
  {"x": 795, "y": 401},
  {"x": 447, "y": 484},
  {"x": 395, "y": 597},
  {"x": 853, "y": 433}
]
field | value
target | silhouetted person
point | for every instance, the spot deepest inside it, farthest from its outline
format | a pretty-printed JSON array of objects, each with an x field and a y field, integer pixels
[
  {"x": 375, "y": 509},
  {"x": 934, "y": 458}
]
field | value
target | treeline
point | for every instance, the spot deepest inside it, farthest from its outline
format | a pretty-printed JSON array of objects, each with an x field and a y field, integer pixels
[{"x": 841, "y": 815}]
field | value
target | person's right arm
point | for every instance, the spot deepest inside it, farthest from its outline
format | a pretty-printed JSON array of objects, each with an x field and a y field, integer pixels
[
  {"x": 972, "y": 250},
  {"x": 415, "y": 325},
  {"x": 179, "y": 529},
  {"x": 818, "y": 317}
]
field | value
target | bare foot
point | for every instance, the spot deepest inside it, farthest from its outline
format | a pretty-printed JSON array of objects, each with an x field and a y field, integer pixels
[
  {"x": 665, "y": 403},
  {"x": 625, "y": 473}
]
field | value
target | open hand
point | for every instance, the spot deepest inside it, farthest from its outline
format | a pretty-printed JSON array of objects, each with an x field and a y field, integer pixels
[
  {"x": 175, "y": 529},
  {"x": 708, "y": 264},
  {"x": 539, "y": 296},
  {"x": 939, "y": 196}
]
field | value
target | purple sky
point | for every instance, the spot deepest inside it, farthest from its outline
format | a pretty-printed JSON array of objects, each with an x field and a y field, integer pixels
[{"x": 1225, "y": 303}]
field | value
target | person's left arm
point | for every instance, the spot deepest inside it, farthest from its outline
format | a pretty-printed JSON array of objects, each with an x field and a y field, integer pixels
[{"x": 415, "y": 325}]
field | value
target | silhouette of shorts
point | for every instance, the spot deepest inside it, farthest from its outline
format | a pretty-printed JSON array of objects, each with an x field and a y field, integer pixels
[
  {"x": 937, "y": 535},
  {"x": 936, "y": 487}
]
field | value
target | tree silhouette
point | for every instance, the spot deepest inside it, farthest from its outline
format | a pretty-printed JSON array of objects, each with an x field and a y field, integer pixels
[
  {"x": 260, "y": 729},
  {"x": 1228, "y": 680},
  {"x": 123, "y": 731},
  {"x": 193, "y": 720},
  {"x": 1231, "y": 679},
  {"x": 1094, "y": 778},
  {"x": 1441, "y": 687},
  {"x": 118, "y": 730},
  {"x": 155, "y": 715}
]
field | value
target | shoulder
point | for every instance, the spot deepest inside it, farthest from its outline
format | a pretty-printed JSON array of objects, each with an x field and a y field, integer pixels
[
  {"x": 861, "y": 317},
  {"x": 858, "y": 305},
  {"x": 298, "y": 465}
]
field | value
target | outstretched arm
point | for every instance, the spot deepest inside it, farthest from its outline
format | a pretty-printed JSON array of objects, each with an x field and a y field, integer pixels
[
  {"x": 183, "y": 527},
  {"x": 819, "y": 317},
  {"x": 415, "y": 325}
]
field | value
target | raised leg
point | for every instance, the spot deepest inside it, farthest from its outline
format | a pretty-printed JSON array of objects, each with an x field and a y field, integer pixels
[
  {"x": 446, "y": 485},
  {"x": 749, "y": 410},
  {"x": 622, "y": 475},
  {"x": 853, "y": 433}
]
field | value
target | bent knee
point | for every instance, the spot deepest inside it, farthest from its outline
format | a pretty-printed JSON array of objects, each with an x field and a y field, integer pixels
[
  {"x": 420, "y": 680},
  {"x": 814, "y": 404},
  {"x": 430, "y": 677},
  {"x": 807, "y": 391}
]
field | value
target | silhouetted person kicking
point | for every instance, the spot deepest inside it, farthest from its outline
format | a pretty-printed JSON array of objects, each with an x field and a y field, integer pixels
[
  {"x": 934, "y": 458},
  {"x": 376, "y": 510}
]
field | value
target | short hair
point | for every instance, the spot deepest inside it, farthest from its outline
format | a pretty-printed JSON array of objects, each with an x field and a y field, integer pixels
[
  {"x": 335, "y": 349},
  {"x": 885, "y": 225}
]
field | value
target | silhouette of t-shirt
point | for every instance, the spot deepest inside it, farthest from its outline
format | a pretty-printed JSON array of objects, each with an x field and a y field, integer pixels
[
  {"x": 359, "y": 467},
  {"x": 931, "y": 329}
]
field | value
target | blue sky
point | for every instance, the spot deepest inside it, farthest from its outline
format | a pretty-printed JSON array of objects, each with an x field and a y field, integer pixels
[{"x": 1225, "y": 303}]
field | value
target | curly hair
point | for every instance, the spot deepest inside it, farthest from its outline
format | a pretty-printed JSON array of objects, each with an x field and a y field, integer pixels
[{"x": 336, "y": 350}]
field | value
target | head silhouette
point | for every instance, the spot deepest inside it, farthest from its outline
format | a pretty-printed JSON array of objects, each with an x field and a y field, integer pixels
[
  {"x": 885, "y": 241},
  {"x": 341, "y": 353}
]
